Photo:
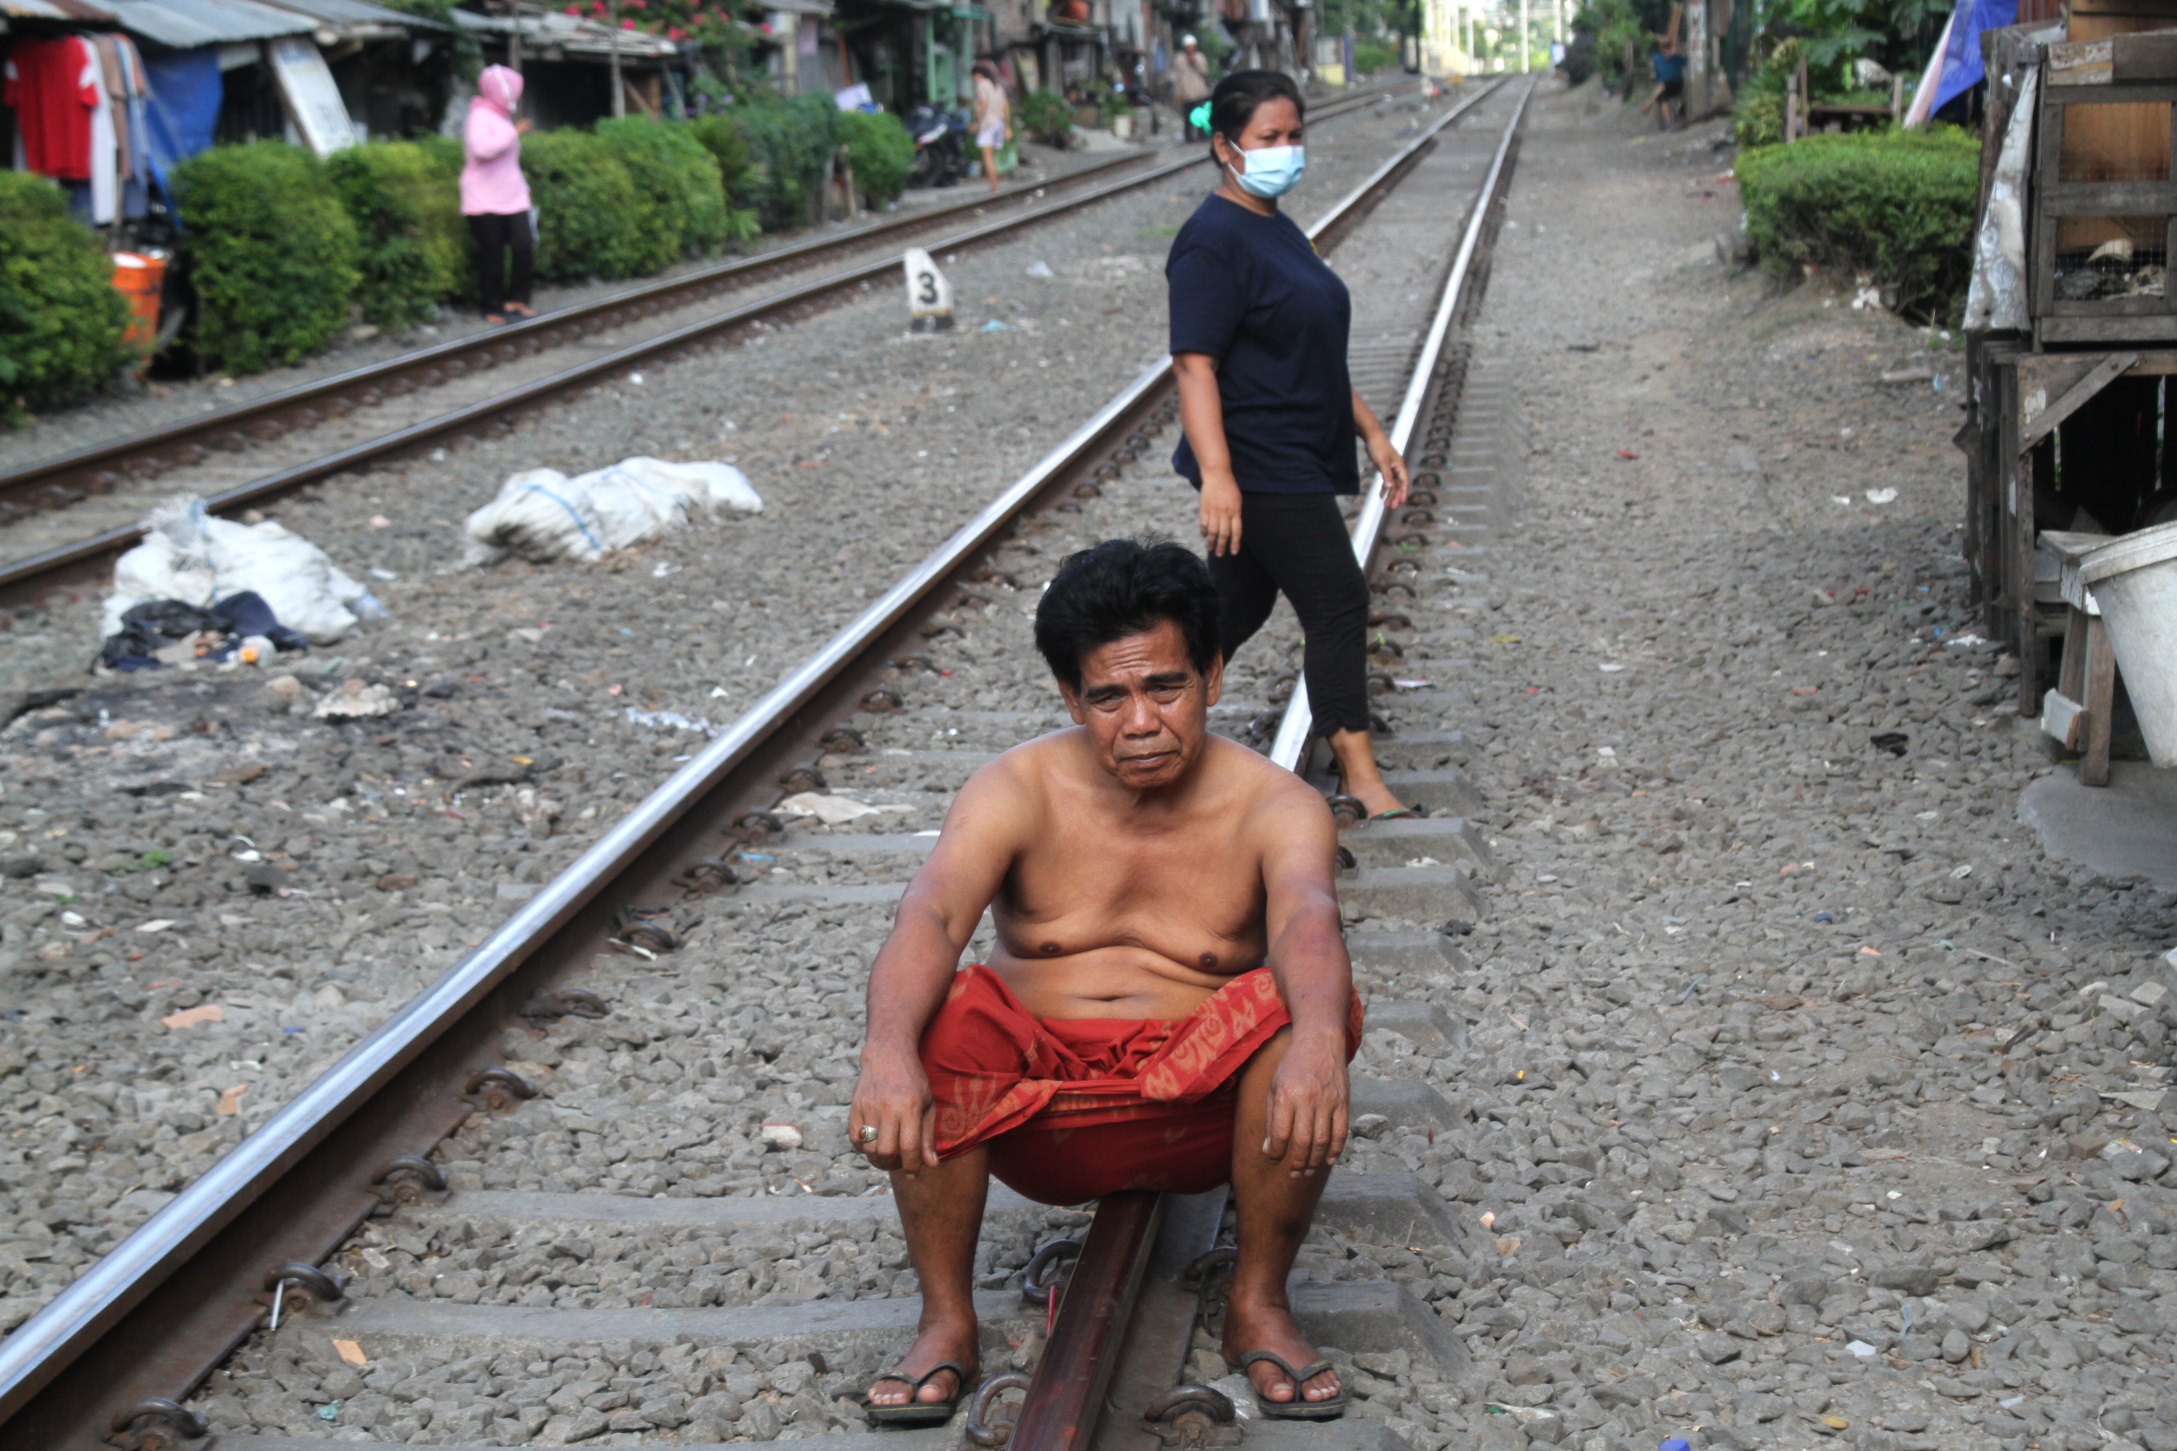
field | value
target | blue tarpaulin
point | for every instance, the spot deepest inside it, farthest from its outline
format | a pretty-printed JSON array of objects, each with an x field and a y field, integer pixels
[
  {"x": 183, "y": 110},
  {"x": 1961, "y": 49}
]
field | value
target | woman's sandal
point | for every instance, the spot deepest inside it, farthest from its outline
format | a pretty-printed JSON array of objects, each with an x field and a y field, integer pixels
[
  {"x": 1299, "y": 1408},
  {"x": 1400, "y": 813},
  {"x": 913, "y": 1412},
  {"x": 521, "y": 309}
]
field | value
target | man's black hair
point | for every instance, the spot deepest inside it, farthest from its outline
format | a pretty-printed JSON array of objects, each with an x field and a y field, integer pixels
[
  {"x": 1125, "y": 587},
  {"x": 1237, "y": 97}
]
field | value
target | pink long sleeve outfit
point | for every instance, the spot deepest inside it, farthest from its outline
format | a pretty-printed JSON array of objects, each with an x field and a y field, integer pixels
[{"x": 491, "y": 181}]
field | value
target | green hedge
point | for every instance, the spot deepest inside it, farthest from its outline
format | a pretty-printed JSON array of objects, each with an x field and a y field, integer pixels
[
  {"x": 1897, "y": 204},
  {"x": 880, "y": 151},
  {"x": 737, "y": 170},
  {"x": 272, "y": 254},
  {"x": 596, "y": 222},
  {"x": 792, "y": 142},
  {"x": 682, "y": 179},
  {"x": 60, "y": 319},
  {"x": 415, "y": 248}
]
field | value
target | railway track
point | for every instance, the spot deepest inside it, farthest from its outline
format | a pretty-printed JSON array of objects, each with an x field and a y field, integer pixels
[
  {"x": 108, "y": 481},
  {"x": 318, "y": 1217}
]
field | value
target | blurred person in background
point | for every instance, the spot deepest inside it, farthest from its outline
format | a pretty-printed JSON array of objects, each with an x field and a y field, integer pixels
[
  {"x": 1190, "y": 83},
  {"x": 495, "y": 195},
  {"x": 993, "y": 119}
]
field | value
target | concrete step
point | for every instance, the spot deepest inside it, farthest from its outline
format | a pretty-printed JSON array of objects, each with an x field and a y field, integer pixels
[
  {"x": 1421, "y": 751},
  {"x": 1403, "y": 952},
  {"x": 1440, "y": 789},
  {"x": 1449, "y": 839},
  {"x": 1353, "y": 1433}
]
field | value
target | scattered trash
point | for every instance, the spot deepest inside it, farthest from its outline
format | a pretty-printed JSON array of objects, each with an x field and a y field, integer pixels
[
  {"x": 542, "y": 515},
  {"x": 329, "y": 1412},
  {"x": 1861, "y": 1349},
  {"x": 1823, "y": 917},
  {"x": 1965, "y": 640},
  {"x": 1506, "y": 639},
  {"x": 831, "y": 810},
  {"x": 671, "y": 719},
  {"x": 192, "y": 558},
  {"x": 1845, "y": 499},
  {"x": 780, "y": 1135},
  {"x": 351, "y": 1352},
  {"x": 1041, "y": 271},
  {"x": 929, "y": 295},
  {"x": 1866, "y": 297},
  {"x": 190, "y": 1017},
  {"x": 354, "y": 700},
  {"x": 159, "y": 924},
  {"x": 1892, "y": 741},
  {"x": 1414, "y": 684},
  {"x": 1627, "y": 453},
  {"x": 1610, "y": 669},
  {"x": 1882, "y": 496},
  {"x": 230, "y": 1100},
  {"x": 996, "y": 325}
]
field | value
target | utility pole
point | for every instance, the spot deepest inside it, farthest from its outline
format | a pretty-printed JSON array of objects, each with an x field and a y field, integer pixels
[{"x": 619, "y": 87}]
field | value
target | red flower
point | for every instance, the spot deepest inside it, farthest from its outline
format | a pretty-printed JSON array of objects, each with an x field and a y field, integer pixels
[
  {"x": 627, "y": 25},
  {"x": 674, "y": 32}
]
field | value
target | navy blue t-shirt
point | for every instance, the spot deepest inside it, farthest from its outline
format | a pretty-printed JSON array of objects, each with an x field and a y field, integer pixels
[{"x": 1249, "y": 291}]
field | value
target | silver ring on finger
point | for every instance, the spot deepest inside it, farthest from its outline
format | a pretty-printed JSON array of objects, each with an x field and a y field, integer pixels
[{"x": 868, "y": 1134}]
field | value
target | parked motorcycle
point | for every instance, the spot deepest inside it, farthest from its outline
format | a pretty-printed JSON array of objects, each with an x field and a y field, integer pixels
[{"x": 941, "y": 146}]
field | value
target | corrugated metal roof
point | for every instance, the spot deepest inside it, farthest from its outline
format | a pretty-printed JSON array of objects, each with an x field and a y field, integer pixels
[
  {"x": 187, "y": 24},
  {"x": 338, "y": 13},
  {"x": 556, "y": 28},
  {"x": 75, "y": 10}
]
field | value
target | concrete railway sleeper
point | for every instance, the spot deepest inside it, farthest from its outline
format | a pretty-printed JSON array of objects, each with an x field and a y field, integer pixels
[{"x": 425, "y": 1220}]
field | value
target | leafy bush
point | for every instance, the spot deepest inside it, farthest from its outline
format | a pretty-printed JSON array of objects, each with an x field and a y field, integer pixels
[
  {"x": 60, "y": 319},
  {"x": 1897, "y": 204},
  {"x": 407, "y": 214},
  {"x": 792, "y": 142},
  {"x": 1047, "y": 117},
  {"x": 681, "y": 178},
  {"x": 271, "y": 251},
  {"x": 1370, "y": 56},
  {"x": 737, "y": 169},
  {"x": 596, "y": 221},
  {"x": 880, "y": 151}
]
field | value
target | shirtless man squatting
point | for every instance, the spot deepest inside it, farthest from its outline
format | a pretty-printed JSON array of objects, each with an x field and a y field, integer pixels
[{"x": 1168, "y": 1005}]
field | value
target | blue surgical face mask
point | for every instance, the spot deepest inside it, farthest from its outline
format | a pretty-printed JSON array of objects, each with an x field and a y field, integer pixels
[{"x": 1271, "y": 171}]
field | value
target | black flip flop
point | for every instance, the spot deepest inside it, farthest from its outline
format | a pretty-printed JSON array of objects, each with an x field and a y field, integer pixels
[
  {"x": 1298, "y": 1408},
  {"x": 912, "y": 1412}
]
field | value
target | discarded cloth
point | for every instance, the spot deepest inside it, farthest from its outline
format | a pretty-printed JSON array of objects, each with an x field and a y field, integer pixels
[
  {"x": 154, "y": 625},
  {"x": 542, "y": 515},
  {"x": 1076, "y": 1108},
  {"x": 189, "y": 555}
]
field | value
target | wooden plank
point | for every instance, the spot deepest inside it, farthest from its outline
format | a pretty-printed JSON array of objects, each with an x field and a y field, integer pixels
[
  {"x": 2041, "y": 408},
  {"x": 2100, "y": 702},
  {"x": 2105, "y": 331},
  {"x": 2108, "y": 198},
  {"x": 2145, "y": 56}
]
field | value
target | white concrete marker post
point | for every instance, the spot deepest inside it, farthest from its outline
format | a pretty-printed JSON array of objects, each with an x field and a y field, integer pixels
[{"x": 929, "y": 295}]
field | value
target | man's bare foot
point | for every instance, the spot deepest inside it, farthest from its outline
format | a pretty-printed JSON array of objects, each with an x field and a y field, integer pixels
[
  {"x": 1271, "y": 1327},
  {"x": 936, "y": 1344}
]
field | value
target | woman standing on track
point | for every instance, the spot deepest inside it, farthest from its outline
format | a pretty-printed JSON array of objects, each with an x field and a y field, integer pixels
[
  {"x": 1259, "y": 325},
  {"x": 993, "y": 119},
  {"x": 495, "y": 195}
]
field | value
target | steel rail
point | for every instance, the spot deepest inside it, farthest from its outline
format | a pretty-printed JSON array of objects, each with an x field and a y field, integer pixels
[
  {"x": 1061, "y": 1408},
  {"x": 101, "y": 466},
  {"x": 254, "y": 1200},
  {"x": 1299, "y": 719},
  {"x": 35, "y": 572}
]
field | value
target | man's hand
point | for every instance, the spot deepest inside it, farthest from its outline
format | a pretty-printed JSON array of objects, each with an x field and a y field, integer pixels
[
  {"x": 1308, "y": 1108},
  {"x": 893, "y": 1097}
]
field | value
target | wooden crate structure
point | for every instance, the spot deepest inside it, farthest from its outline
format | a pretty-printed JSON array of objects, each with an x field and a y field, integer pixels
[{"x": 2103, "y": 198}]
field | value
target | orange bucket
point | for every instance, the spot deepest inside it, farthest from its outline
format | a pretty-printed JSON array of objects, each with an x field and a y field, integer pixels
[{"x": 138, "y": 277}]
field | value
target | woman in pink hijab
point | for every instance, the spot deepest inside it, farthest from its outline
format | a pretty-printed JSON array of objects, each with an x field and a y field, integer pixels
[{"x": 494, "y": 194}]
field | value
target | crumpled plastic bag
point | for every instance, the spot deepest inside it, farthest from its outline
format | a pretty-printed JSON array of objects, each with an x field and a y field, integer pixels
[
  {"x": 191, "y": 556},
  {"x": 541, "y": 515}
]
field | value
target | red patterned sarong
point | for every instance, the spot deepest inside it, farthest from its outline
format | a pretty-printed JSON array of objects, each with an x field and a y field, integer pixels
[{"x": 1073, "y": 1109}]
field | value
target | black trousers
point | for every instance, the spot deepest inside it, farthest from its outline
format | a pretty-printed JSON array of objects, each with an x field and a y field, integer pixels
[
  {"x": 1298, "y": 543},
  {"x": 495, "y": 232}
]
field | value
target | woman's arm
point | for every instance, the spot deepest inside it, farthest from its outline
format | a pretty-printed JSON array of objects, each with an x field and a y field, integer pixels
[
  {"x": 1202, "y": 415},
  {"x": 1380, "y": 453}
]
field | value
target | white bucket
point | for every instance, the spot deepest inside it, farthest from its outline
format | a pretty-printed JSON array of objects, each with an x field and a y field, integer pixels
[{"x": 2134, "y": 580}]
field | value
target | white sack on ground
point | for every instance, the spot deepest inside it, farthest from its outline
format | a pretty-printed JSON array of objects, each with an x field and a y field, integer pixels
[
  {"x": 542, "y": 515},
  {"x": 191, "y": 556}
]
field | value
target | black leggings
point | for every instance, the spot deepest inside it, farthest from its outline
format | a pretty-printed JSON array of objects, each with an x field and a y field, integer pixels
[
  {"x": 1298, "y": 543},
  {"x": 495, "y": 232}
]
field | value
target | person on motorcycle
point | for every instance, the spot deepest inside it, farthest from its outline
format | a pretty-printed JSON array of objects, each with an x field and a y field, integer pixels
[{"x": 993, "y": 119}]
